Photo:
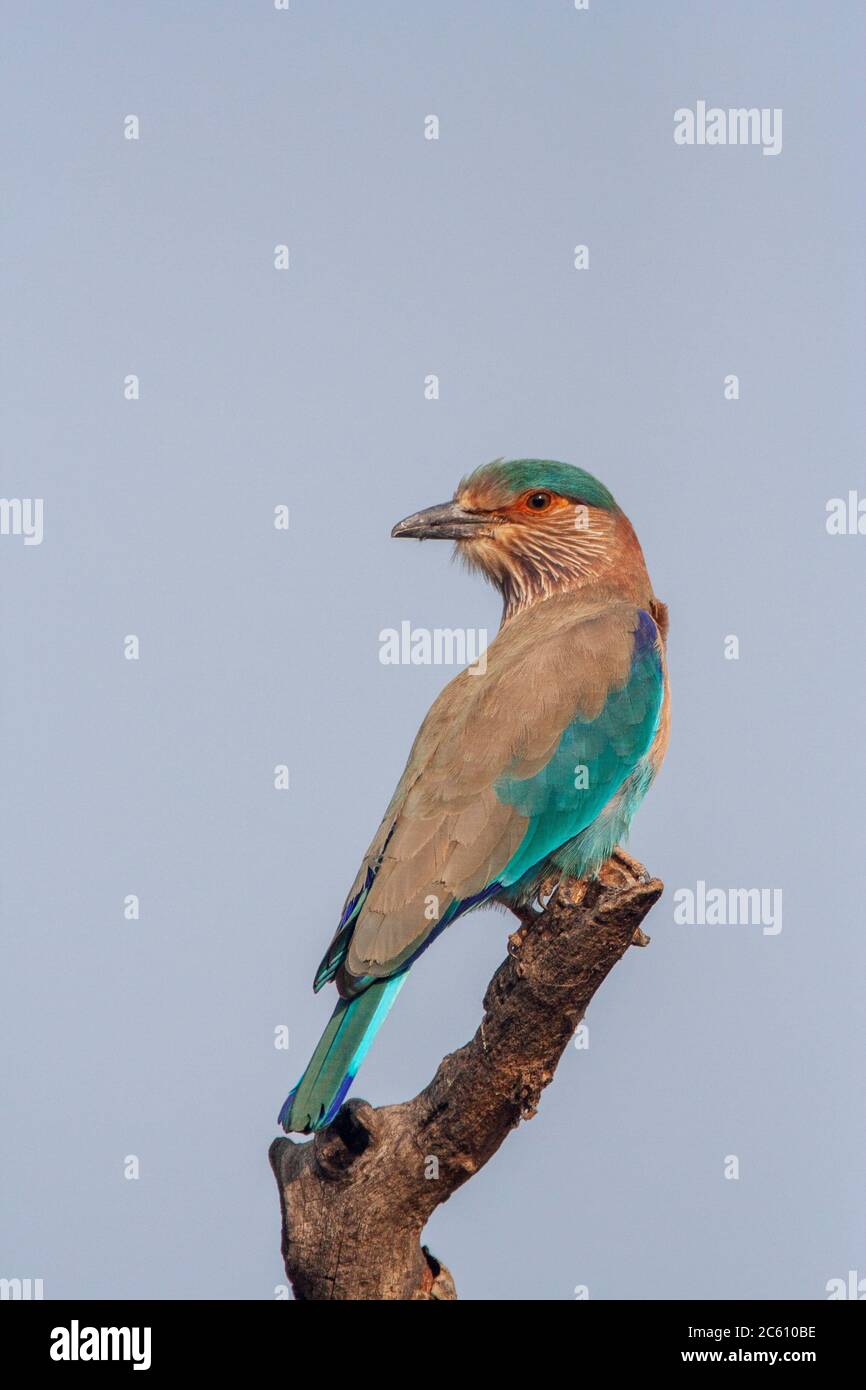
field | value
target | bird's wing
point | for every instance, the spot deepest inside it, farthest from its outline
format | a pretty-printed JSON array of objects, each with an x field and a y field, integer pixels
[{"x": 492, "y": 785}]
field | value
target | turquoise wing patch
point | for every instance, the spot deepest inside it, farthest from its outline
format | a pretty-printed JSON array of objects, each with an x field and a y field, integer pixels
[{"x": 592, "y": 760}]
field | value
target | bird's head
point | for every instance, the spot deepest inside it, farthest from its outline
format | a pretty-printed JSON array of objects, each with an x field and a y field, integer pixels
[{"x": 534, "y": 528}]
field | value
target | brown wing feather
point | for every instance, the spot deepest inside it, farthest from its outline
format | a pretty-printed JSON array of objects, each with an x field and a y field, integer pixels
[{"x": 451, "y": 834}]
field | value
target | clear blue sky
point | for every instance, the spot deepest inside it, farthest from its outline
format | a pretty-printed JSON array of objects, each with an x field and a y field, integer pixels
[{"x": 154, "y": 1038}]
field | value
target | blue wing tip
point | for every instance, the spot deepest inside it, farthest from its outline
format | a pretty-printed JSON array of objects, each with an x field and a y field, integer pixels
[{"x": 645, "y": 632}]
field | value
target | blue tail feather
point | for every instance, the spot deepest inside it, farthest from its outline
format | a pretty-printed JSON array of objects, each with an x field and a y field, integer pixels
[{"x": 315, "y": 1100}]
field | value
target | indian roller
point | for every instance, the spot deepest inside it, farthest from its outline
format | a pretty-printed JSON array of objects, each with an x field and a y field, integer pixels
[{"x": 519, "y": 775}]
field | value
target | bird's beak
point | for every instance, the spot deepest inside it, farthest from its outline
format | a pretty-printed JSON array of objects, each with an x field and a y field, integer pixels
[{"x": 447, "y": 522}]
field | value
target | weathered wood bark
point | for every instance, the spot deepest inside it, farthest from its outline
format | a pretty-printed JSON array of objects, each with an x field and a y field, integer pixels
[{"x": 356, "y": 1197}]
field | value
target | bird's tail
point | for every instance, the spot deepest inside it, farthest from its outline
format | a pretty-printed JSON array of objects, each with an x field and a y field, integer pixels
[{"x": 342, "y": 1048}]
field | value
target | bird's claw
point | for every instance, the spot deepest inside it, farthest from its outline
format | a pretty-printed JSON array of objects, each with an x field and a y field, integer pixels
[
  {"x": 529, "y": 913},
  {"x": 621, "y": 870}
]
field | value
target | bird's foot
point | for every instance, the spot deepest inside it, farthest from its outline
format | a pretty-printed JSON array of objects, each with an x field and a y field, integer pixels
[
  {"x": 530, "y": 912},
  {"x": 546, "y": 890},
  {"x": 621, "y": 869}
]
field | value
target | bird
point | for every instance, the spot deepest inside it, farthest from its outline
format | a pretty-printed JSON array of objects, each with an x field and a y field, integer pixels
[{"x": 521, "y": 774}]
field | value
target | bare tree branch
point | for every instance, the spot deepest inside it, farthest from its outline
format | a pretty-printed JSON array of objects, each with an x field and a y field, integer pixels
[{"x": 355, "y": 1199}]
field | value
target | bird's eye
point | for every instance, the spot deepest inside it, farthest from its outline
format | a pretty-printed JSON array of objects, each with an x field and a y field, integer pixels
[{"x": 538, "y": 501}]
